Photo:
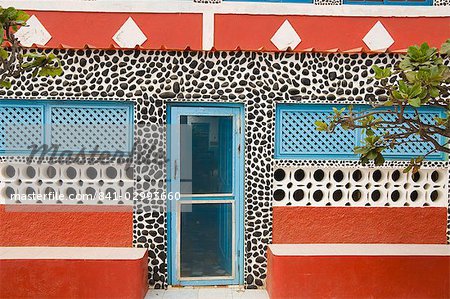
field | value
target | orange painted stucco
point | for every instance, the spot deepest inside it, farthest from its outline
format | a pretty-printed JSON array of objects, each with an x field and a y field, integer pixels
[
  {"x": 358, "y": 276},
  {"x": 168, "y": 30},
  {"x": 76, "y": 227},
  {"x": 73, "y": 278},
  {"x": 253, "y": 32},
  {"x": 404, "y": 225}
]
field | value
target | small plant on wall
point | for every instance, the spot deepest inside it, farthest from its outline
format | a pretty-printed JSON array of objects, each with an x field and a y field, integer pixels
[
  {"x": 14, "y": 60},
  {"x": 419, "y": 79}
]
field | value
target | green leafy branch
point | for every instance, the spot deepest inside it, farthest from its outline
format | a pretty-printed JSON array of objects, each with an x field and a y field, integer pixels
[
  {"x": 420, "y": 79},
  {"x": 13, "y": 61}
]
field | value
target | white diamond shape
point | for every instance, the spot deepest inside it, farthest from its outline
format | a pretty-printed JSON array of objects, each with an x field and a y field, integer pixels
[
  {"x": 378, "y": 38},
  {"x": 286, "y": 37},
  {"x": 33, "y": 33},
  {"x": 129, "y": 35}
]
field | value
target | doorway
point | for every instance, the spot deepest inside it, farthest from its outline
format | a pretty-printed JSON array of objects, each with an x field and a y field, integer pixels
[{"x": 205, "y": 194}]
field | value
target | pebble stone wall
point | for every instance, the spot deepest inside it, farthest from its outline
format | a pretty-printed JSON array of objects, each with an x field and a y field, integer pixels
[{"x": 151, "y": 79}]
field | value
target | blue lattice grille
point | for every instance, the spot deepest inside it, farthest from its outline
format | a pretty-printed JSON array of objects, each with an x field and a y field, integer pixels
[
  {"x": 298, "y": 135},
  {"x": 90, "y": 129},
  {"x": 21, "y": 127},
  {"x": 411, "y": 146}
]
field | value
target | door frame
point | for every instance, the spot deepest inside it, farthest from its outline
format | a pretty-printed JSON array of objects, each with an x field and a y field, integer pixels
[{"x": 238, "y": 182}]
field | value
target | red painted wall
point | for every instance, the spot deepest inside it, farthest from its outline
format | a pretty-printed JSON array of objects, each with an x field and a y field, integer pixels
[
  {"x": 73, "y": 278},
  {"x": 358, "y": 276},
  {"x": 76, "y": 29},
  {"x": 326, "y": 32},
  {"x": 293, "y": 225},
  {"x": 79, "y": 226}
]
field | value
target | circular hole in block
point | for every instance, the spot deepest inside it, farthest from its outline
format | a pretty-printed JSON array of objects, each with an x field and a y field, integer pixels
[
  {"x": 9, "y": 192},
  {"x": 356, "y": 195},
  {"x": 377, "y": 175},
  {"x": 51, "y": 172},
  {"x": 338, "y": 175},
  {"x": 395, "y": 195},
  {"x": 71, "y": 193},
  {"x": 111, "y": 173},
  {"x": 415, "y": 177},
  {"x": 129, "y": 173},
  {"x": 90, "y": 192},
  {"x": 434, "y": 195},
  {"x": 71, "y": 173},
  {"x": 31, "y": 172},
  {"x": 30, "y": 191},
  {"x": 337, "y": 195},
  {"x": 279, "y": 194},
  {"x": 9, "y": 172},
  {"x": 435, "y": 176},
  {"x": 396, "y": 175},
  {"x": 318, "y": 195},
  {"x": 129, "y": 193},
  {"x": 110, "y": 194},
  {"x": 299, "y": 175},
  {"x": 49, "y": 191},
  {"x": 91, "y": 173},
  {"x": 376, "y": 195},
  {"x": 414, "y": 195},
  {"x": 299, "y": 195},
  {"x": 279, "y": 175},
  {"x": 357, "y": 175},
  {"x": 319, "y": 175}
]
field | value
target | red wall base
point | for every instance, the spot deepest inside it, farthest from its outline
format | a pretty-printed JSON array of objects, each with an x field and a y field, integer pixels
[
  {"x": 59, "y": 278},
  {"x": 300, "y": 225},
  {"x": 66, "y": 225},
  {"x": 358, "y": 276}
]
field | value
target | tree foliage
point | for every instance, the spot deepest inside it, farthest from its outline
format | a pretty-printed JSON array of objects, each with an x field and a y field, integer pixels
[
  {"x": 13, "y": 59},
  {"x": 419, "y": 79}
]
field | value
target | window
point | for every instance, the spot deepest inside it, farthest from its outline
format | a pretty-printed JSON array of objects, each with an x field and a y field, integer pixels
[
  {"x": 91, "y": 127},
  {"x": 389, "y": 2},
  {"x": 297, "y": 138}
]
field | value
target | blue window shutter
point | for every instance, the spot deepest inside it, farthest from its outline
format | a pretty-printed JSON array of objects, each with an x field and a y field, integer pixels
[
  {"x": 389, "y": 2},
  {"x": 297, "y": 138},
  {"x": 94, "y": 127},
  {"x": 21, "y": 127}
]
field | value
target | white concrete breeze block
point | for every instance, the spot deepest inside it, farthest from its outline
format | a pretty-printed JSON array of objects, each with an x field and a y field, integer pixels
[{"x": 360, "y": 187}]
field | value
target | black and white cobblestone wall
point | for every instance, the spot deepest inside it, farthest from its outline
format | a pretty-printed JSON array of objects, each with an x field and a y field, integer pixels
[{"x": 151, "y": 79}]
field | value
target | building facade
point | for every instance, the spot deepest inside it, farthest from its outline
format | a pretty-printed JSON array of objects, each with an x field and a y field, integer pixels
[{"x": 215, "y": 101}]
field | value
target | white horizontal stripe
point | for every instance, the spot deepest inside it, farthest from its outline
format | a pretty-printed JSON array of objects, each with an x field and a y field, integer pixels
[
  {"x": 71, "y": 253},
  {"x": 359, "y": 249},
  {"x": 253, "y": 8}
]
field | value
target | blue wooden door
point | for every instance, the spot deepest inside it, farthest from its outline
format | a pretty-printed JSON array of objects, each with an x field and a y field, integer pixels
[{"x": 205, "y": 184}]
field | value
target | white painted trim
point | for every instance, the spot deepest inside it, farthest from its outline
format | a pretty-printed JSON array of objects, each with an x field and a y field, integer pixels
[
  {"x": 208, "y": 31},
  {"x": 360, "y": 249},
  {"x": 71, "y": 253},
  {"x": 166, "y": 6}
]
